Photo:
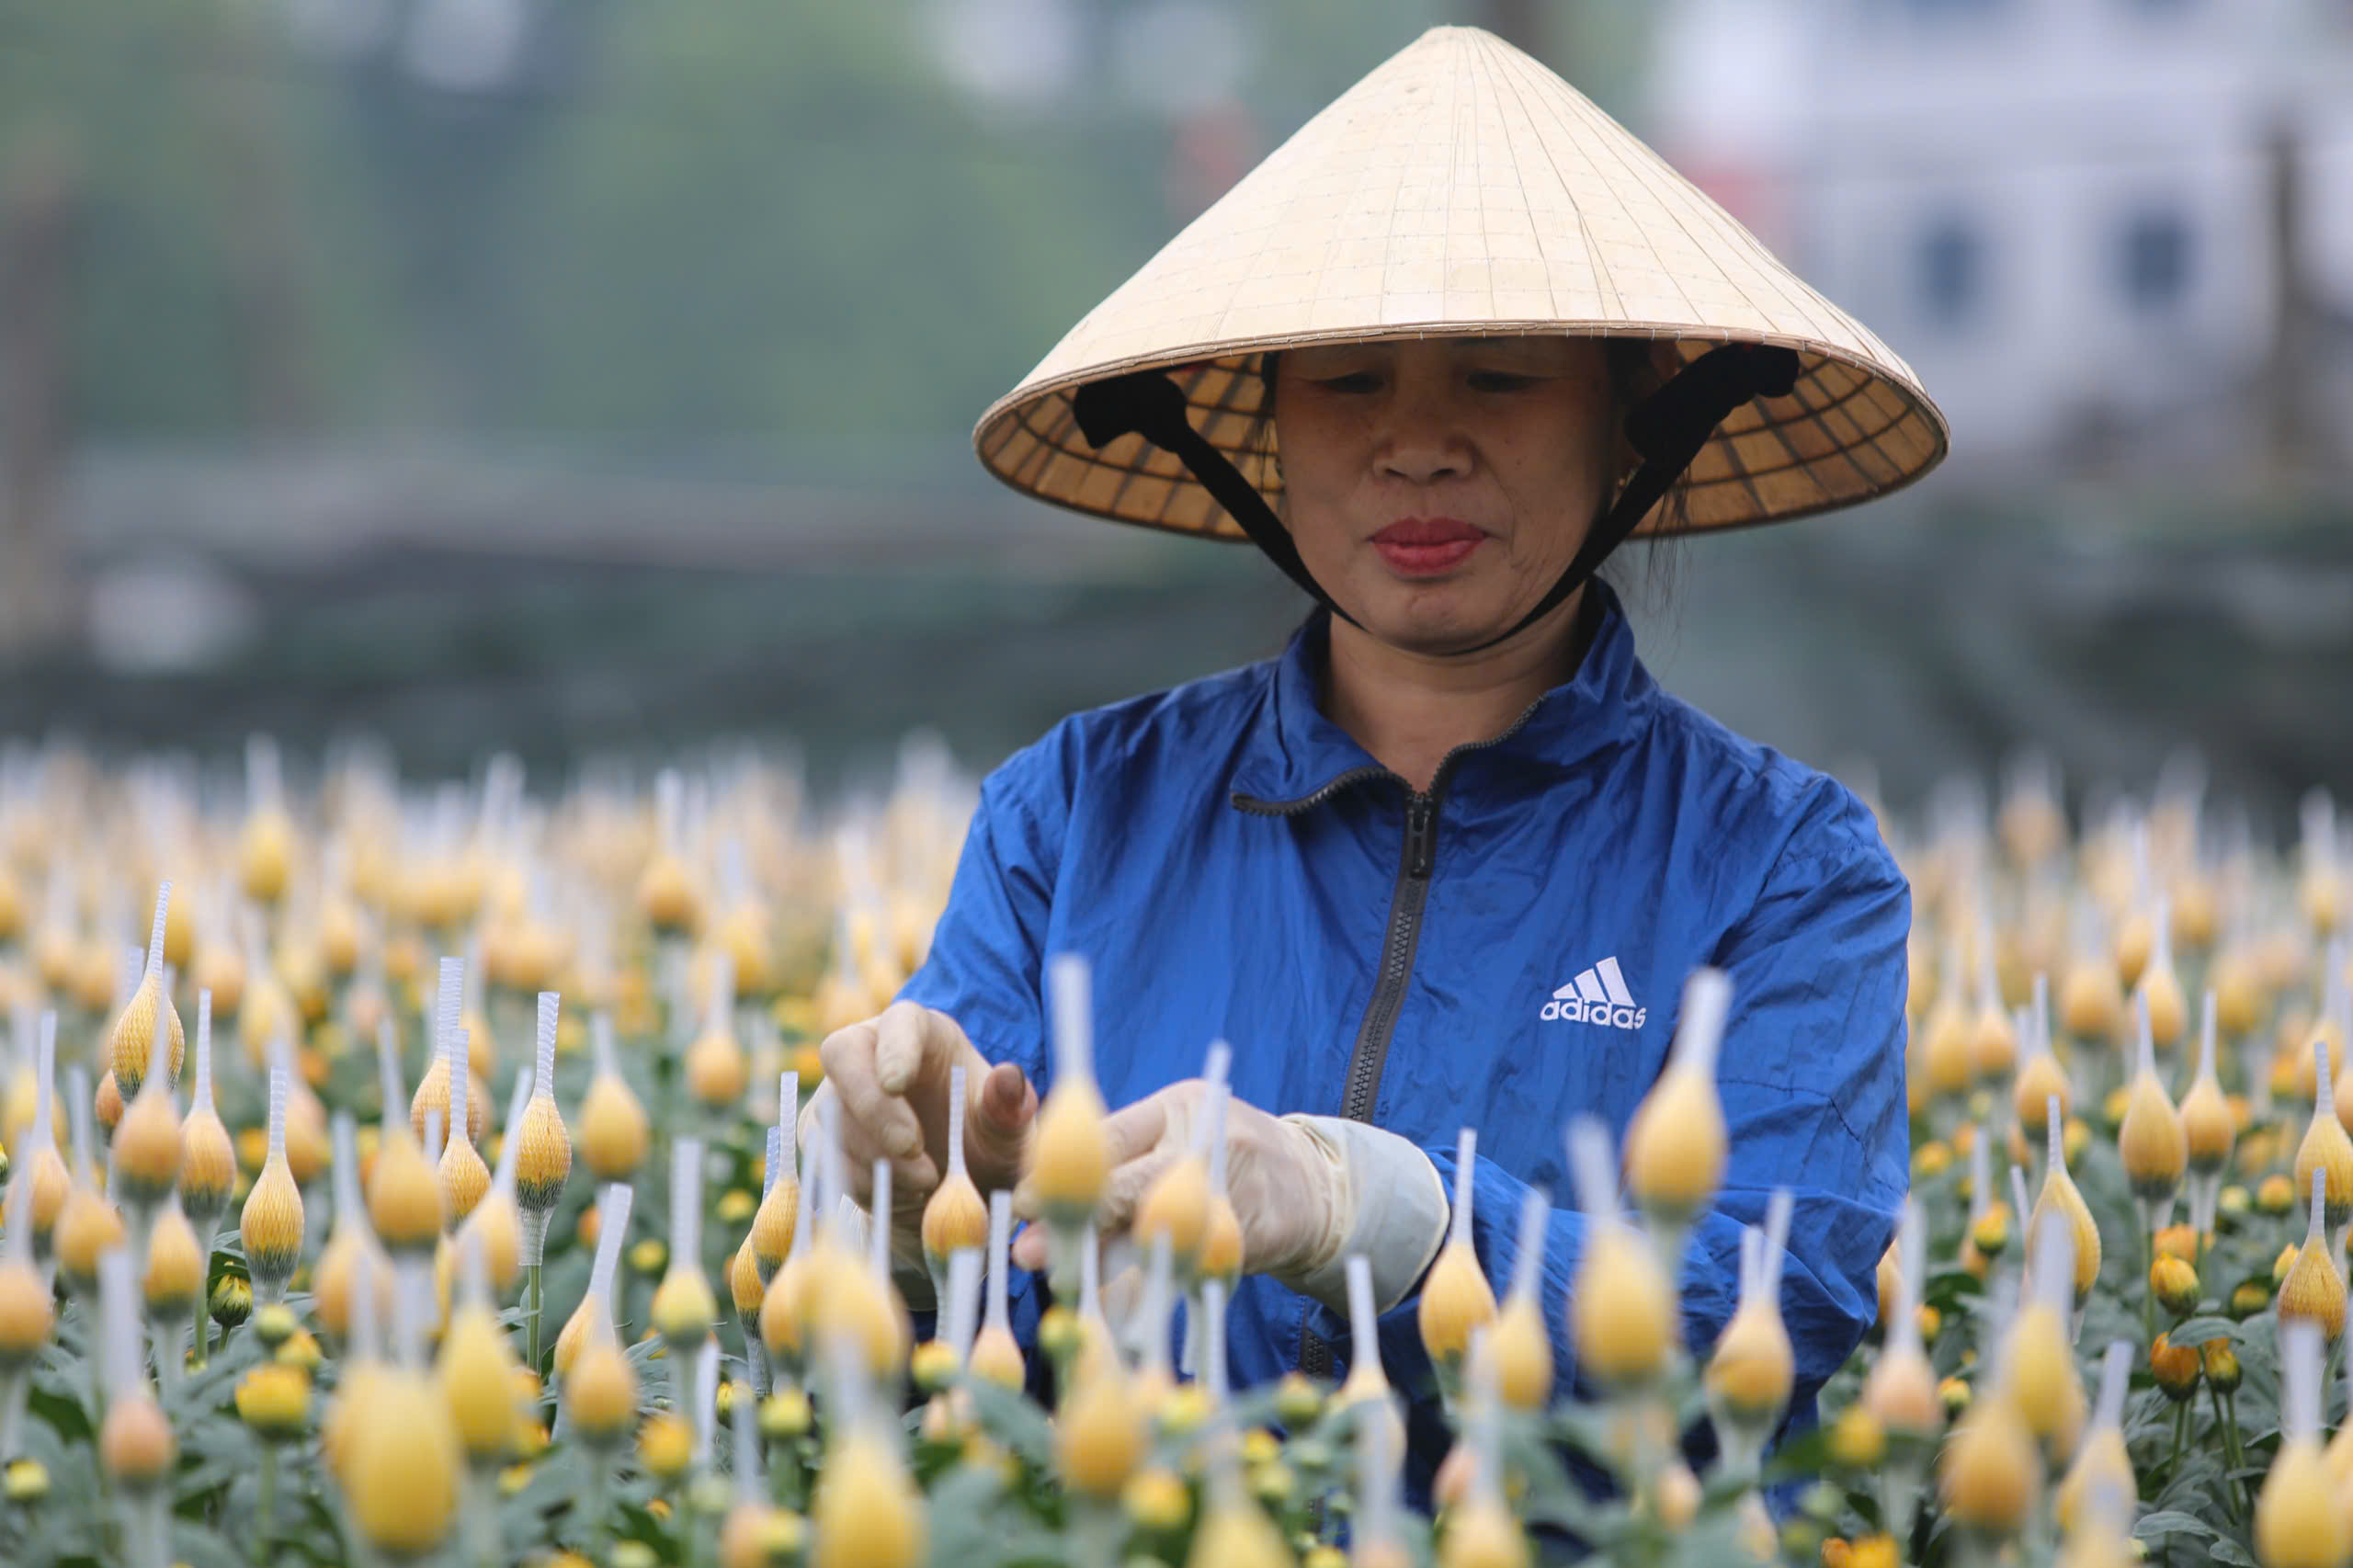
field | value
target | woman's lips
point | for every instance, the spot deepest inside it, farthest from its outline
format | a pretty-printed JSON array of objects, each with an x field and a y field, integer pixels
[{"x": 1426, "y": 547}]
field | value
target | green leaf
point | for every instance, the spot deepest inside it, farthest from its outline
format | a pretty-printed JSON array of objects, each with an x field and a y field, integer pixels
[{"x": 2172, "y": 1522}]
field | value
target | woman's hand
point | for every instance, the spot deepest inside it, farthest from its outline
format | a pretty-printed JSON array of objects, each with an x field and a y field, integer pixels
[
  {"x": 891, "y": 1075},
  {"x": 1283, "y": 1184}
]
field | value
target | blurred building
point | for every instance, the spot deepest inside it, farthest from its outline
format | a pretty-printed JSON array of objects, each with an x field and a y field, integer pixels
[{"x": 2100, "y": 230}]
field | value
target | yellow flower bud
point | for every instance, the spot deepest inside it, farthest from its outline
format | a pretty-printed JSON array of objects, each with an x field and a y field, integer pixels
[
  {"x": 1900, "y": 1394},
  {"x": 275, "y": 1401},
  {"x": 2175, "y": 1284},
  {"x": 2091, "y": 1001},
  {"x": 401, "y": 1467},
  {"x": 1623, "y": 1313},
  {"x": 867, "y": 1514},
  {"x": 1176, "y": 1205},
  {"x": 665, "y": 1446},
  {"x": 476, "y": 1376},
  {"x": 130, "y": 1044},
  {"x": 208, "y": 1164},
  {"x": 1234, "y": 1534},
  {"x": 2040, "y": 1380},
  {"x": 613, "y": 1129},
  {"x": 27, "y": 1315},
  {"x": 1156, "y": 1499},
  {"x": 773, "y": 1221},
  {"x": 1988, "y": 1474},
  {"x": 600, "y": 1390},
  {"x": 1676, "y": 1147},
  {"x": 1070, "y": 1154},
  {"x": 2039, "y": 1078},
  {"x": 717, "y": 1070},
  {"x": 271, "y": 1226},
  {"x": 997, "y": 1359},
  {"x": 743, "y": 1288},
  {"x": 2150, "y": 1141},
  {"x": 954, "y": 1218},
  {"x": 465, "y": 1178},
  {"x": 1753, "y": 1369},
  {"x": 1523, "y": 1354},
  {"x": 403, "y": 1197},
  {"x": 1099, "y": 1436},
  {"x": 1484, "y": 1535},
  {"x": 543, "y": 1155},
  {"x": 175, "y": 1277},
  {"x": 86, "y": 1230},
  {"x": 684, "y": 1308},
  {"x": 2299, "y": 1522},
  {"x": 135, "y": 1444},
  {"x": 1456, "y": 1298},
  {"x": 2207, "y": 1125},
  {"x": 2176, "y": 1367}
]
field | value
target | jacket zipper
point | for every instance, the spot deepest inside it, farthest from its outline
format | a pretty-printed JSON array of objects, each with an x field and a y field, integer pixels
[{"x": 1417, "y": 863}]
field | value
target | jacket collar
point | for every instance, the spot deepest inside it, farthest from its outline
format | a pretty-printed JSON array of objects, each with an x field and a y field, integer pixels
[{"x": 1294, "y": 755}]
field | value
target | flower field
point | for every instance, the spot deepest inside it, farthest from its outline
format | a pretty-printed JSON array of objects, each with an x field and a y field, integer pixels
[{"x": 401, "y": 1175}]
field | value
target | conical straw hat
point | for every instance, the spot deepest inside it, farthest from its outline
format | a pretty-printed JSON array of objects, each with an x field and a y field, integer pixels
[{"x": 1464, "y": 188}]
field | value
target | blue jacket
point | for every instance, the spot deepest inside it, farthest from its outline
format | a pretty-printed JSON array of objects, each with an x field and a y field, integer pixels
[{"x": 1504, "y": 953}]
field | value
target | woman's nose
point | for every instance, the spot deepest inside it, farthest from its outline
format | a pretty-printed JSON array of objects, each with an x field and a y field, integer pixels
[{"x": 1424, "y": 441}]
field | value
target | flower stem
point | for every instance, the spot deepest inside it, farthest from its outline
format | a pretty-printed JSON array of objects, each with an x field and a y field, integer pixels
[
  {"x": 202, "y": 1330},
  {"x": 2230, "y": 1448},
  {"x": 535, "y": 1294},
  {"x": 267, "y": 1505}
]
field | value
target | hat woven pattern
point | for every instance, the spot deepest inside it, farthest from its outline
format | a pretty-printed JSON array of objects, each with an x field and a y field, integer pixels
[{"x": 1464, "y": 190}]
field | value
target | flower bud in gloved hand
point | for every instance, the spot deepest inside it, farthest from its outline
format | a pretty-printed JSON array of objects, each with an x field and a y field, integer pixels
[
  {"x": 890, "y": 1074},
  {"x": 1309, "y": 1191}
]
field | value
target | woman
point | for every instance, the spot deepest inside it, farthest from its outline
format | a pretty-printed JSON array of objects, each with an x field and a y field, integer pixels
[{"x": 1448, "y": 860}]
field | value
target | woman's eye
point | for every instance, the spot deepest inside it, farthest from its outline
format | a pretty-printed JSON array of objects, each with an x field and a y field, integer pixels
[
  {"x": 1499, "y": 382},
  {"x": 1350, "y": 381}
]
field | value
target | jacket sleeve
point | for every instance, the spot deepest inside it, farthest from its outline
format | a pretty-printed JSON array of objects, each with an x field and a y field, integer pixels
[
  {"x": 988, "y": 950},
  {"x": 1812, "y": 1078}
]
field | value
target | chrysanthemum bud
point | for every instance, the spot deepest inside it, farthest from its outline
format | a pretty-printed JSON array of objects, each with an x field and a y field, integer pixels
[
  {"x": 275, "y": 1401},
  {"x": 2314, "y": 1290},
  {"x": 2299, "y": 1521},
  {"x": 2061, "y": 1196},
  {"x": 613, "y": 1129},
  {"x": 401, "y": 1467},
  {"x": 175, "y": 1276},
  {"x": 2151, "y": 1141},
  {"x": 271, "y": 1226},
  {"x": 1675, "y": 1143},
  {"x": 2174, "y": 1282},
  {"x": 1989, "y": 1474},
  {"x": 542, "y": 1148},
  {"x": 1623, "y": 1313},
  {"x": 2176, "y": 1367},
  {"x": 1100, "y": 1436},
  {"x": 1456, "y": 1298},
  {"x": 130, "y": 1044}
]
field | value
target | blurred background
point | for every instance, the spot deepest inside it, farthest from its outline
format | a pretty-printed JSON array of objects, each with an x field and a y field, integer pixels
[{"x": 577, "y": 378}]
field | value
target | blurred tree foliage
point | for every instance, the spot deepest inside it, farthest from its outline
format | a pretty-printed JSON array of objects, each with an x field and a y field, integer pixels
[{"x": 665, "y": 226}]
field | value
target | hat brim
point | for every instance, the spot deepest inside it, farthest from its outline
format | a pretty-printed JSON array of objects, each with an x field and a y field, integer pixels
[{"x": 1847, "y": 433}]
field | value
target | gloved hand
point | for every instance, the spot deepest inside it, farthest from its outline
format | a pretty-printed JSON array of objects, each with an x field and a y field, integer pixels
[
  {"x": 889, "y": 1074},
  {"x": 1307, "y": 1191}
]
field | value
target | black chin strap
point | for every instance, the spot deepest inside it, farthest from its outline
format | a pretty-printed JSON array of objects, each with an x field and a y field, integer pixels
[{"x": 1666, "y": 428}]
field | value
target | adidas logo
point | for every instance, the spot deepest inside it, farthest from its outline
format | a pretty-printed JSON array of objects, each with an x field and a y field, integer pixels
[{"x": 1598, "y": 995}]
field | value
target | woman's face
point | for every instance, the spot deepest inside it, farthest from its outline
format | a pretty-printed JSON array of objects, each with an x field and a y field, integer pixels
[{"x": 1439, "y": 488}]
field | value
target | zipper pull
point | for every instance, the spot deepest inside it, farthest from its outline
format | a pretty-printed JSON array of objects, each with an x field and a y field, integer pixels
[{"x": 1421, "y": 832}]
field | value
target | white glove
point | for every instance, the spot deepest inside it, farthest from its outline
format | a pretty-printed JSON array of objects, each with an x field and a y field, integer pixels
[{"x": 1308, "y": 1191}]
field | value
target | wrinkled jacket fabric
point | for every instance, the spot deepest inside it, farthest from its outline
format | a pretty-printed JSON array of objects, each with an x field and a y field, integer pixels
[{"x": 1230, "y": 863}]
